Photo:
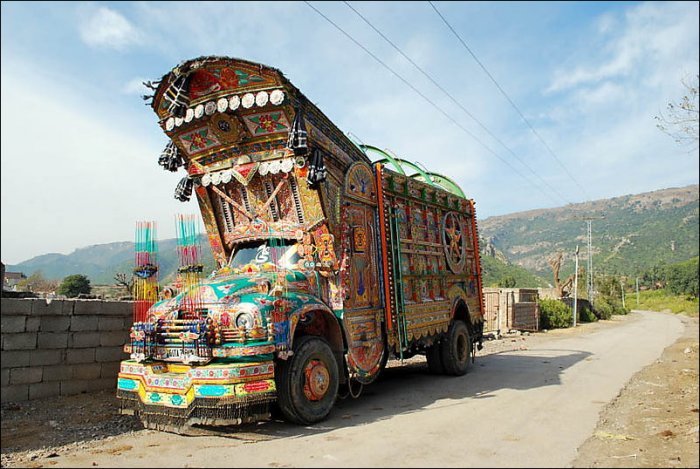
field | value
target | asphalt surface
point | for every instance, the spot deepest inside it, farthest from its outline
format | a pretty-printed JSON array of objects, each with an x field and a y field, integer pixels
[{"x": 519, "y": 408}]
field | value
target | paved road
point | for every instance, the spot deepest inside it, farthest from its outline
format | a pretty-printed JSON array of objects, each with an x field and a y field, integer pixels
[{"x": 526, "y": 408}]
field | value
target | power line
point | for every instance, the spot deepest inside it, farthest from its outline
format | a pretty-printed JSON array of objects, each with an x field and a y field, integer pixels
[
  {"x": 522, "y": 116},
  {"x": 438, "y": 108},
  {"x": 455, "y": 101}
]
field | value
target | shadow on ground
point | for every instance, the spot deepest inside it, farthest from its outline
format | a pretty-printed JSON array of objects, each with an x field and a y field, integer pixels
[
  {"x": 401, "y": 389},
  {"x": 411, "y": 388}
]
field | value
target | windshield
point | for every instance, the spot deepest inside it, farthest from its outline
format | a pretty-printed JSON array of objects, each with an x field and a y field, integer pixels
[{"x": 278, "y": 252}]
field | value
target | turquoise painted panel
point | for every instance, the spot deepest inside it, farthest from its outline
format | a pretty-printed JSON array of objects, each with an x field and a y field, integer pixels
[
  {"x": 210, "y": 391},
  {"x": 127, "y": 384}
]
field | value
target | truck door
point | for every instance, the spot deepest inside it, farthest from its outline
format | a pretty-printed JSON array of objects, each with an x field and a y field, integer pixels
[{"x": 362, "y": 308}]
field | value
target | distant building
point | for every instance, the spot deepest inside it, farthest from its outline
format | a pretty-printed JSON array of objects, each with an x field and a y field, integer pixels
[{"x": 11, "y": 279}]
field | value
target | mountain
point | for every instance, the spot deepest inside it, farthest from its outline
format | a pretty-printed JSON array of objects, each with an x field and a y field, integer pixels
[
  {"x": 630, "y": 233},
  {"x": 638, "y": 232},
  {"x": 101, "y": 262}
]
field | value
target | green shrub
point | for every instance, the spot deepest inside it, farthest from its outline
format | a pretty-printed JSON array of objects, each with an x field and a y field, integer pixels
[
  {"x": 554, "y": 314},
  {"x": 585, "y": 313},
  {"x": 606, "y": 306}
]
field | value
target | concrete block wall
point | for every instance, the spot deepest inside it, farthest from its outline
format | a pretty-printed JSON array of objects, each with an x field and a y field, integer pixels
[{"x": 61, "y": 347}]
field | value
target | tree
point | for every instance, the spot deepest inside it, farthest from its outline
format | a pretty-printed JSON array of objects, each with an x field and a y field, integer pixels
[
  {"x": 683, "y": 278},
  {"x": 74, "y": 285},
  {"x": 681, "y": 119},
  {"x": 123, "y": 281},
  {"x": 507, "y": 282},
  {"x": 37, "y": 283},
  {"x": 561, "y": 287}
]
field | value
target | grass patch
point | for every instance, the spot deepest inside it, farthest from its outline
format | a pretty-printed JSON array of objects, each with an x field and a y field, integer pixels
[{"x": 660, "y": 300}]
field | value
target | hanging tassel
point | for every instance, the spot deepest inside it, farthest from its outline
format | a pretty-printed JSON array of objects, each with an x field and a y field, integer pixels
[
  {"x": 297, "y": 135},
  {"x": 317, "y": 169},
  {"x": 176, "y": 96},
  {"x": 151, "y": 84},
  {"x": 171, "y": 159},
  {"x": 183, "y": 191}
]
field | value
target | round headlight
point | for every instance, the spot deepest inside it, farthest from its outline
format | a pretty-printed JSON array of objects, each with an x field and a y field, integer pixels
[{"x": 244, "y": 320}]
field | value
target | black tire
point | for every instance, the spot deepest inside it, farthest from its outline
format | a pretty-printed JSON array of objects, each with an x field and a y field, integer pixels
[
  {"x": 309, "y": 402},
  {"x": 456, "y": 349},
  {"x": 433, "y": 355}
]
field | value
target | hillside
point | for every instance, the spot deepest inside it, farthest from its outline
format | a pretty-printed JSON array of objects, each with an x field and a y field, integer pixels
[
  {"x": 494, "y": 270},
  {"x": 102, "y": 261},
  {"x": 637, "y": 232}
]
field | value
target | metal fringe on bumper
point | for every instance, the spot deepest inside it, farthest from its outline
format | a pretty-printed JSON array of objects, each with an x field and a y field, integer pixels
[{"x": 225, "y": 411}]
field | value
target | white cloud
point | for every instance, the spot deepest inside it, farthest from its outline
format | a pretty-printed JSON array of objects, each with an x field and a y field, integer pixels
[
  {"x": 135, "y": 86},
  {"x": 103, "y": 27},
  {"x": 649, "y": 38}
]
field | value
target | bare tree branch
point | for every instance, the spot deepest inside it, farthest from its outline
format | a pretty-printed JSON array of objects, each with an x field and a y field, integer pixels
[
  {"x": 681, "y": 120},
  {"x": 123, "y": 280}
]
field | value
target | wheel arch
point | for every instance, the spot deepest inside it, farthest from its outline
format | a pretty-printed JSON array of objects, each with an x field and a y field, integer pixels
[
  {"x": 318, "y": 320},
  {"x": 460, "y": 312}
]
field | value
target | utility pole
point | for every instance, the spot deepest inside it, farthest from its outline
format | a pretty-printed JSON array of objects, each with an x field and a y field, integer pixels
[
  {"x": 622, "y": 289},
  {"x": 589, "y": 266},
  {"x": 590, "y": 256},
  {"x": 576, "y": 286},
  {"x": 637, "y": 291}
]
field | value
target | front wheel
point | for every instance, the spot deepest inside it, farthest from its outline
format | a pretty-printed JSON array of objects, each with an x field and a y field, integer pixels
[
  {"x": 456, "y": 349},
  {"x": 307, "y": 382}
]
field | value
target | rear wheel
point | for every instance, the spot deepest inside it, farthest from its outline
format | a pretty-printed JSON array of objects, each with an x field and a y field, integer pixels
[
  {"x": 456, "y": 349},
  {"x": 307, "y": 382}
]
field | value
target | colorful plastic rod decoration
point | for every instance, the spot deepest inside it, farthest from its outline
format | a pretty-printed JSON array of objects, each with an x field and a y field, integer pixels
[
  {"x": 190, "y": 270},
  {"x": 145, "y": 270}
]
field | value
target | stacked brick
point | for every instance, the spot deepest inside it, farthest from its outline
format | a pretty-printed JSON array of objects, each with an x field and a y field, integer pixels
[{"x": 61, "y": 347}]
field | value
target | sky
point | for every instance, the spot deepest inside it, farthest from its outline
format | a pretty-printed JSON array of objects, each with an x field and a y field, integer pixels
[{"x": 79, "y": 148}]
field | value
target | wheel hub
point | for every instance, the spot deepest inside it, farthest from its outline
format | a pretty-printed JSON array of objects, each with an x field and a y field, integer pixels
[{"x": 317, "y": 380}]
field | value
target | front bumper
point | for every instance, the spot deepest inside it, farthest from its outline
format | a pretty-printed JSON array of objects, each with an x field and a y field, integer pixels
[{"x": 214, "y": 394}]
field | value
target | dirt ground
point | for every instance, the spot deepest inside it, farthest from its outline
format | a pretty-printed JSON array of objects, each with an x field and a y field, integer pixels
[
  {"x": 654, "y": 420},
  {"x": 652, "y": 423}
]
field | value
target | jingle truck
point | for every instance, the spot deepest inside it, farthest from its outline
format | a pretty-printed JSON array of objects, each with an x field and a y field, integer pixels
[{"x": 333, "y": 257}]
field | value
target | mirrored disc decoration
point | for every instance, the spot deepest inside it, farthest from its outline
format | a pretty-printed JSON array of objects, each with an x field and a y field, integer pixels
[
  {"x": 215, "y": 178},
  {"x": 276, "y": 97},
  {"x": 209, "y": 108},
  {"x": 234, "y": 102},
  {"x": 248, "y": 100},
  {"x": 170, "y": 124},
  {"x": 261, "y": 98},
  {"x": 189, "y": 115},
  {"x": 206, "y": 179},
  {"x": 199, "y": 111},
  {"x": 222, "y": 104},
  {"x": 179, "y": 121},
  {"x": 226, "y": 176},
  {"x": 287, "y": 165},
  {"x": 274, "y": 167}
]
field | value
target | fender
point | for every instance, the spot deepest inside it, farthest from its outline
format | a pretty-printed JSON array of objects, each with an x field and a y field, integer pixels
[
  {"x": 458, "y": 295},
  {"x": 315, "y": 318}
]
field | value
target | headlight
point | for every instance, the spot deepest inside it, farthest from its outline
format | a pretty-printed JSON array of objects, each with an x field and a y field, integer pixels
[{"x": 244, "y": 320}]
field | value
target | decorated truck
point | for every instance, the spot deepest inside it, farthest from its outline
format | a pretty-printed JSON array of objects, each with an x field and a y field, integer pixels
[{"x": 332, "y": 257}]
